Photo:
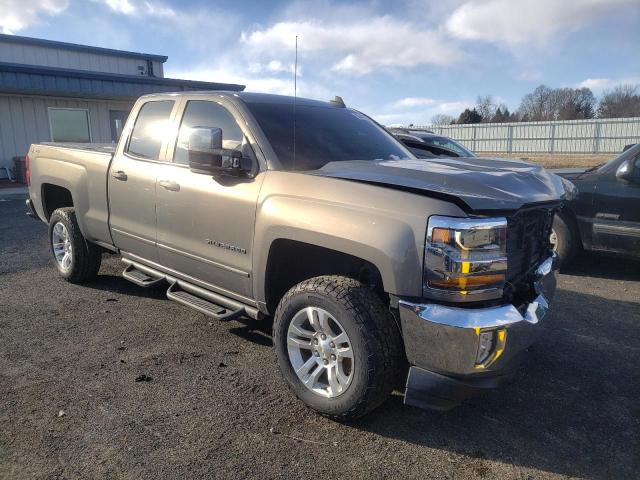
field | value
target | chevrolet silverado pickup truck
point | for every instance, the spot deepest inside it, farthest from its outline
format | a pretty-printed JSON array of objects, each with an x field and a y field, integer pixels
[{"x": 375, "y": 266}]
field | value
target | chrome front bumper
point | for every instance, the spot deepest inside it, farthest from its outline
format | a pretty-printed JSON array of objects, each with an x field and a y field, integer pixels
[
  {"x": 445, "y": 340},
  {"x": 442, "y": 344}
]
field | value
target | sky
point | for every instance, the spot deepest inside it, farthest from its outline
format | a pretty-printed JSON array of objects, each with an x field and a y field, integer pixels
[{"x": 399, "y": 61}]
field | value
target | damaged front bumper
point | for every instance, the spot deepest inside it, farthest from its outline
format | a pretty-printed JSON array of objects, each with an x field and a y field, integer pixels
[{"x": 455, "y": 352}]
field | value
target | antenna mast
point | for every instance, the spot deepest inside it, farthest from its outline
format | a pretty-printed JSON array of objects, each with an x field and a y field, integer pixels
[{"x": 295, "y": 96}]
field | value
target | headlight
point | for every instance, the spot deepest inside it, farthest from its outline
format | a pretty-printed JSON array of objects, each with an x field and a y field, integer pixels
[{"x": 465, "y": 258}]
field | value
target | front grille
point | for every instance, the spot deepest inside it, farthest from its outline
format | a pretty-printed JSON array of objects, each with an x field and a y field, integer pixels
[{"x": 528, "y": 245}]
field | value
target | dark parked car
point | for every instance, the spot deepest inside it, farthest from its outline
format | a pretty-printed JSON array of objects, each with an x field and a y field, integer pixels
[
  {"x": 605, "y": 213},
  {"x": 425, "y": 144}
]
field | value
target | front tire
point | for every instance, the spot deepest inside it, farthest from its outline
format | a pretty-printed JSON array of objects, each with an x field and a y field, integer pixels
[
  {"x": 564, "y": 239},
  {"x": 337, "y": 346},
  {"x": 76, "y": 259}
]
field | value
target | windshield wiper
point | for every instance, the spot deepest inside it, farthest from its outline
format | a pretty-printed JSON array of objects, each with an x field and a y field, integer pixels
[{"x": 594, "y": 168}]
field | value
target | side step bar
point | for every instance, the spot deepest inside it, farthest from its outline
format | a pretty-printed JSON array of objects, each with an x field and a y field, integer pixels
[
  {"x": 206, "y": 301},
  {"x": 139, "y": 277},
  {"x": 204, "y": 306}
]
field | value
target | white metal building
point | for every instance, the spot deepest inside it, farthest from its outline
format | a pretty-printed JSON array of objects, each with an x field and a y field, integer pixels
[{"x": 64, "y": 92}]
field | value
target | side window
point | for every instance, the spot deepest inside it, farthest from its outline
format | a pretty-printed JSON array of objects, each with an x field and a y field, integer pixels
[
  {"x": 150, "y": 129},
  {"x": 202, "y": 113},
  {"x": 636, "y": 167}
]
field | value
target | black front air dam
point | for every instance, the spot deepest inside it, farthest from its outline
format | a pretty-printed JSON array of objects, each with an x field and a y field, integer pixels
[{"x": 432, "y": 391}]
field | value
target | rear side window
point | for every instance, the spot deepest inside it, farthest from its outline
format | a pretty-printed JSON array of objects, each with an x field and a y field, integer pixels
[
  {"x": 206, "y": 114},
  {"x": 150, "y": 130}
]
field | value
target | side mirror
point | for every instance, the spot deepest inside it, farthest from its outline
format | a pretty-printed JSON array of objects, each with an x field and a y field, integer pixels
[
  {"x": 206, "y": 154},
  {"x": 625, "y": 170}
]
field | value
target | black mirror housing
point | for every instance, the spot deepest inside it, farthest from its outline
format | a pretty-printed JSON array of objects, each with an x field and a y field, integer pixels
[{"x": 207, "y": 156}]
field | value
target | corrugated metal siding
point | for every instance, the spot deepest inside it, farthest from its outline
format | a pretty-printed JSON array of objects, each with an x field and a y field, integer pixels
[
  {"x": 606, "y": 135},
  {"x": 24, "y": 120},
  {"x": 53, "y": 81},
  {"x": 62, "y": 58}
]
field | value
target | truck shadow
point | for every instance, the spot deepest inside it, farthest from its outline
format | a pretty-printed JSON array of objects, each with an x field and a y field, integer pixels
[
  {"x": 116, "y": 284},
  {"x": 573, "y": 408}
]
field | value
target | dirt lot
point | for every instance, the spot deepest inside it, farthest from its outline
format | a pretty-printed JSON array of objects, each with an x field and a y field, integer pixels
[{"x": 216, "y": 408}]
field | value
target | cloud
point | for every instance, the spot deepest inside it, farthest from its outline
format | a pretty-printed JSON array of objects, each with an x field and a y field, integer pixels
[
  {"x": 419, "y": 110},
  {"x": 121, "y": 6},
  {"x": 413, "y": 102},
  {"x": 225, "y": 72},
  {"x": 357, "y": 46},
  {"x": 17, "y": 15},
  {"x": 274, "y": 66},
  {"x": 598, "y": 85},
  {"x": 530, "y": 76},
  {"x": 140, "y": 8},
  {"x": 529, "y": 21}
]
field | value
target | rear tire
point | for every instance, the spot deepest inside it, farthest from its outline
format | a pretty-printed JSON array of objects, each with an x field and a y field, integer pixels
[
  {"x": 372, "y": 338},
  {"x": 566, "y": 240},
  {"x": 76, "y": 259}
]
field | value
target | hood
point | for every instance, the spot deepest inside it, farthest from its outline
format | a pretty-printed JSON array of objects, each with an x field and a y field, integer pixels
[
  {"x": 476, "y": 184},
  {"x": 570, "y": 173}
]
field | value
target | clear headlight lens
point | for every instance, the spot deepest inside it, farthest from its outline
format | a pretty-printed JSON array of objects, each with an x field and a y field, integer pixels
[{"x": 465, "y": 258}]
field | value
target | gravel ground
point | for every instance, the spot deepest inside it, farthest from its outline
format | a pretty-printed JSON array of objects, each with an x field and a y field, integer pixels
[{"x": 213, "y": 405}]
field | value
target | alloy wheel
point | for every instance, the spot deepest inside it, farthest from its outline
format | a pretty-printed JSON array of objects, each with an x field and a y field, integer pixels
[
  {"x": 320, "y": 352},
  {"x": 62, "y": 247}
]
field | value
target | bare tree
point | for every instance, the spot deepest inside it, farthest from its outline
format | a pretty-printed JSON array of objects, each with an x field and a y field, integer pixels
[
  {"x": 622, "y": 101},
  {"x": 546, "y": 103},
  {"x": 442, "y": 119},
  {"x": 537, "y": 105},
  {"x": 486, "y": 107},
  {"x": 572, "y": 104}
]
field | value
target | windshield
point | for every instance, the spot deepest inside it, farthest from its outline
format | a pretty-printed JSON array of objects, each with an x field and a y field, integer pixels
[
  {"x": 323, "y": 135},
  {"x": 628, "y": 153},
  {"x": 452, "y": 145}
]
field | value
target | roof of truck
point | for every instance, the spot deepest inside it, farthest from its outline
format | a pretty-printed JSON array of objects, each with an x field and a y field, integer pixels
[{"x": 254, "y": 97}]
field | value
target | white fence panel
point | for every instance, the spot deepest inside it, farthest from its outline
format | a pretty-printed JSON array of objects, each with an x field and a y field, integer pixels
[{"x": 607, "y": 135}]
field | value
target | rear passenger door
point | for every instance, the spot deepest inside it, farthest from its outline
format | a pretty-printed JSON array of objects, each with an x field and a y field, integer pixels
[
  {"x": 132, "y": 180},
  {"x": 206, "y": 223}
]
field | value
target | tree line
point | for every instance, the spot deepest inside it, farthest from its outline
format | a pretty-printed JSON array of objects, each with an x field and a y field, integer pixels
[{"x": 546, "y": 103}]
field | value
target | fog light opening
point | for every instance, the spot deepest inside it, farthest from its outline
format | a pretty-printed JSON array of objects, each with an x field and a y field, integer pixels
[{"x": 491, "y": 345}]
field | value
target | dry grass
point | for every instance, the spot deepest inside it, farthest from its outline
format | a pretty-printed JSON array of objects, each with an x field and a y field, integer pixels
[{"x": 558, "y": 160}]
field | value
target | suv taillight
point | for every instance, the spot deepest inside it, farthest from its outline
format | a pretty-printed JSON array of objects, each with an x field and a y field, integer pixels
[{"x": 27, "y": 172}]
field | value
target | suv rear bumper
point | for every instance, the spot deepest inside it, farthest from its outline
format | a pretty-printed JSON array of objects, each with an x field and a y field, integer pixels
[{"x": 442, "y": 344}]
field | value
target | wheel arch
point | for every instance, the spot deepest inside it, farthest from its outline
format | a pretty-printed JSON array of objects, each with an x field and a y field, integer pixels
[
  {"x": 301, "y": 261},
  {"x": 54, "y": 197},
  {"x": 571, "y": 219}
]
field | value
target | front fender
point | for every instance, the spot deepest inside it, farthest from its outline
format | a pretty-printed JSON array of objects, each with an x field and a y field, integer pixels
[{"x": 382, "y": 226}]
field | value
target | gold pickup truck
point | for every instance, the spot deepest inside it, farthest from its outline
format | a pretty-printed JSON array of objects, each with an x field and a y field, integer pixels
[{"x": 374, "y": 266}]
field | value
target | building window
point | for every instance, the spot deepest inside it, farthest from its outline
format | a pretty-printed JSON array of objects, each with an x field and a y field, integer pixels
[{"x": 69, "y": 125}]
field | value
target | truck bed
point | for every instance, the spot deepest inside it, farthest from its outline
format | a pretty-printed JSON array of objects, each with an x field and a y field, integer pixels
[{"x": 81, "y": 169}]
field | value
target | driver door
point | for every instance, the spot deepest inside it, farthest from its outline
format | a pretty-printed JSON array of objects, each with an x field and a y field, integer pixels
[
  {"x": 617, "y": 213},
  {"x": 205, "y": 223}
]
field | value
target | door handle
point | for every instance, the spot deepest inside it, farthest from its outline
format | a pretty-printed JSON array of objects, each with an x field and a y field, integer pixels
[
  {"x": 170, "y": 185},
  {"x": 119, "y": 175}
]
